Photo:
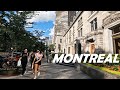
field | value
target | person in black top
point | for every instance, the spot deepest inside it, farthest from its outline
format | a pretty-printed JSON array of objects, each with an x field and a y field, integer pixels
[{"x": 24, "y": 61}]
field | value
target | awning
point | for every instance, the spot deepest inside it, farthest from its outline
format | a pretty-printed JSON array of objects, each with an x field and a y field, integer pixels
[{"x": 90, "y": 40}]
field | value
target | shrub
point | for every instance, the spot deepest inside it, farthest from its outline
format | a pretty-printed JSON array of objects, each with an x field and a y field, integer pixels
[{"x": 115, "y": 68}]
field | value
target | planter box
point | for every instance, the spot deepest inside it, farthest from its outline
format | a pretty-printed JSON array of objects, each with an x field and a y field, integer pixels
[
  {"x": 10, "y": 72},
  {"x": 97, "y": 74}
]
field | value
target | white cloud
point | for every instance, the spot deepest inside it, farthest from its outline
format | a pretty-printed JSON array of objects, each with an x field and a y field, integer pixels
[
  {"x": 42, "y": 37},
  {"x": 51, "y": 31},
  {"x": 43, "y": 16}
]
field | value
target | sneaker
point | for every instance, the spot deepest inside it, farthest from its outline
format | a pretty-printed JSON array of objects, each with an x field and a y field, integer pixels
[
  {"x": 21, "y": 75},
  {"x": 38, "y": 73},
  {"x": 26, "y": 72},
  {"x": 35, "y": 77}
]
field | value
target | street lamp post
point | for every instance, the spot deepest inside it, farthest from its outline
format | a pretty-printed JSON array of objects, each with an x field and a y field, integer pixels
[
  {"x": 47, "y": 52},
  {"x": 11, "y": 51}
]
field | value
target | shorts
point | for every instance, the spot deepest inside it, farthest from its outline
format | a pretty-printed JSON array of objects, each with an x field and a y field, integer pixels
[{"x": 39, "y": 63}]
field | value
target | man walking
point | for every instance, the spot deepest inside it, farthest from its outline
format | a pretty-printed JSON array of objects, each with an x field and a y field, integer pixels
[{"x": 24, "y": 61}]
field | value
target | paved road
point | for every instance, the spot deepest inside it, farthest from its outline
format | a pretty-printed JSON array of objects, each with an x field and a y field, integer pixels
[{"x": 53, "y": 71}]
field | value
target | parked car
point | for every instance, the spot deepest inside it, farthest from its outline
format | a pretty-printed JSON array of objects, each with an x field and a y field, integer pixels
[
  {"x": 8, "y": 61},
  {"x": 17, "y": 53}
]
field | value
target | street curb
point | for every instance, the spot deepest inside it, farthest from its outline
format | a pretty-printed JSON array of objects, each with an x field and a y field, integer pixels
[{"x": 11, "y": 77}]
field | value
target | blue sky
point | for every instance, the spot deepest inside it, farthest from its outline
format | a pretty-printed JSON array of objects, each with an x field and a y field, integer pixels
[
  {"x": 43, "y": 21},
  {"x": 44, "y": 26}
]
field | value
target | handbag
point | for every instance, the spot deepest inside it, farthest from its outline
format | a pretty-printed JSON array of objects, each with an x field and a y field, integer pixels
[{"x": 19, "y": 63}]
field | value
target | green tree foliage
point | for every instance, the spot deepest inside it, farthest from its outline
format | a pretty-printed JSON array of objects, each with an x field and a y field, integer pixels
[
  {"x": 13, "y": 33},
  {"x": 51, "y": 47}
]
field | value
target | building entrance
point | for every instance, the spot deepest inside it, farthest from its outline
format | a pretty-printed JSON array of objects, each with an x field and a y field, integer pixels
[
  {"x": 116, "y": 38},
  {"x": 117, "y": 45}
]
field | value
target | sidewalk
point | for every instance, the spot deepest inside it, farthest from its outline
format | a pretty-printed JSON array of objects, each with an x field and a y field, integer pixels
[{"x": 53, "y": 71}]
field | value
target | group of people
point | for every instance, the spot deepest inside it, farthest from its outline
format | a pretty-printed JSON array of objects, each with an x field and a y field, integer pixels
[{"x": 35, "y": 59}]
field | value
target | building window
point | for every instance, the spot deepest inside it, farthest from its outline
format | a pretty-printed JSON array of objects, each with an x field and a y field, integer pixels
[
  {"x": 59, "y": 47},
  {"x": 94, "y": 24},
  {"x": 68, "y": 50},
  {"x": 70, "y": 36},
  {"x": 73, "y": 32},
  {"x": 80, "y": 32},
  {"x": 64, "y": 50},
  {"x": 60, "y": 40},
  {"x": 79, "y": 21},
  {"x": 65, "y": 39}
]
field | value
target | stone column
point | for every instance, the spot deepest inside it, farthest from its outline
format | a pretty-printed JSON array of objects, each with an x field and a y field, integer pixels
[{"x": 107, "y": 41}]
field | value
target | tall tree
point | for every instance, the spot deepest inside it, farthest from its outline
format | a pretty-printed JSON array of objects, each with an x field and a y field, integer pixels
[
  {"x": 12, "y": 28},
  {"x": 13, "y": 33},
  {"x": 38, "y": 34},
  {"x": 52, "y": 47}
]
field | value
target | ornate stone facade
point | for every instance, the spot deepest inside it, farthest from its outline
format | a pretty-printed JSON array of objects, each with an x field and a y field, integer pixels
[
  {"x": 98, "y": 37},
  {"x": 111, "y": 18},
  {"x": 89, "y": 32}
]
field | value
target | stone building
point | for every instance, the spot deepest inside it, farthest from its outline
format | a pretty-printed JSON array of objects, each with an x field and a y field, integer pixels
[
  {"x": 93, "y": 32},
  {"x": 61, "y": 26},
  {"x": 111, "y": 24},
  {"x": 87, "y": 32},
  {"x": 71, "y": 14}
]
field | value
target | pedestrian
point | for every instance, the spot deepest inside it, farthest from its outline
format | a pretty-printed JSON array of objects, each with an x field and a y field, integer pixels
[
  {"x": 37, "y": 63},
  {"x": 24, "y": 61},
  {"x": 32, "y": 56}
]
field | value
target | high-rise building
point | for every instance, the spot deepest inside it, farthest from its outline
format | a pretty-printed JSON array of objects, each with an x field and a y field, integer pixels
[
  {"x": 71, "y": 14},
  {"x": 61, "y": 26}
]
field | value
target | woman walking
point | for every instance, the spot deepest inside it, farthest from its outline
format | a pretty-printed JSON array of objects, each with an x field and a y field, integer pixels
[
  {"x": 31, "y": 57},
  {"x": 37, "y": 63}
]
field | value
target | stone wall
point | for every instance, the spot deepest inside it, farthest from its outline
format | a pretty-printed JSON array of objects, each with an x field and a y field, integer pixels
[{"x": 97, "y": 74}]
